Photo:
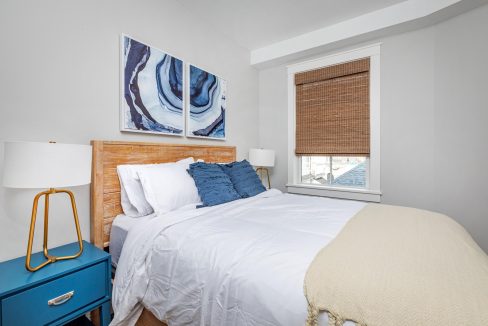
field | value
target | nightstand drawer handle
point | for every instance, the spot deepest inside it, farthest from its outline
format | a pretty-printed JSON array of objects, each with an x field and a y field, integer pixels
[{"x": 61, "y": 299}]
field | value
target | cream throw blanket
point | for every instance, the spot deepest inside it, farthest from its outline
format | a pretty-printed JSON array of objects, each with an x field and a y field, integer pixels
[{"x": 394, "y": 266}]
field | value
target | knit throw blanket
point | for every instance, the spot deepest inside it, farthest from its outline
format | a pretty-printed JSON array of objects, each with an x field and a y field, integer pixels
[{"x": 395, "y": 266}]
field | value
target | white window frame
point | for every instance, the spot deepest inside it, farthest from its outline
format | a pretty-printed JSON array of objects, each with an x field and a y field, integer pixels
[{"x": 372, "y": 191}]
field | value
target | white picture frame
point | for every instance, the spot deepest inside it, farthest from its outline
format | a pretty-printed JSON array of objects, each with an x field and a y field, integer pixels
[
  {"x": 168, "y": 117},
  {"x": 218, "y": 95}
]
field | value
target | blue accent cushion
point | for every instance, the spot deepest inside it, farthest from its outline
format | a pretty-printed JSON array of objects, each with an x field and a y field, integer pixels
[
  {"x": 244, "y": 178},
  {"x": 213, "y": 184}
]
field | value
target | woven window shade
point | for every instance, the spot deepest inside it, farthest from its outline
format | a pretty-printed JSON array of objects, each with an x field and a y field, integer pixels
[{"x": 332, "y": 110}]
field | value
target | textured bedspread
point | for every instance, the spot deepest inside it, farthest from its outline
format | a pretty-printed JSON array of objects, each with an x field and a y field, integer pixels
[{"x": 400, "y": 266}]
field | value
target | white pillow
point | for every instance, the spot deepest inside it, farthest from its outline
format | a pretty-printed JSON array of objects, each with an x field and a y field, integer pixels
[
  {"x": 168, "y": 187},
  {"x": 127, "y": 207},
  {"x": 132, "y": 197}
]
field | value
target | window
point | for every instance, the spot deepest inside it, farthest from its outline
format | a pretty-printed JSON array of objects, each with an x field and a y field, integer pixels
[
  {"x": 334, "y": 125},
  {"x": 341, "y": 171}
]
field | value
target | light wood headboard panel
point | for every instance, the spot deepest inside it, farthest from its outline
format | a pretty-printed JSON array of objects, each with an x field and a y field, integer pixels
[{"x": 105, "y": 186}]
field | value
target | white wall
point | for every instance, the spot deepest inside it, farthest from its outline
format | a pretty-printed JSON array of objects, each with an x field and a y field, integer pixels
[
  {"x": 434, "y": 120},
  {"x": 59, "y": 80}
]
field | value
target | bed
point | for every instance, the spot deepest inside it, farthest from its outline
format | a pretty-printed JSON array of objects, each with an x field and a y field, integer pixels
[
  {"x": 106, "y": 208},
  {"x": 238, "y": 263}
]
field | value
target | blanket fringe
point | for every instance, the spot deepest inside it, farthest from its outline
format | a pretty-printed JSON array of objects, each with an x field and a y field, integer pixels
[
  {"x": 313, "y": 318},
  {"x": 313, "y": 315},
  {"x": 335, "y": 320}
]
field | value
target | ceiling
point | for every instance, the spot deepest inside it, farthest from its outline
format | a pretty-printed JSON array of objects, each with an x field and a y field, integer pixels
[{"x": 257, "y": 23}]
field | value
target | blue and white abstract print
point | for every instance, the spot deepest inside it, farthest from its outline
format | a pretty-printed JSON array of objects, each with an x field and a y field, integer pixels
[
  {"x": 152, "y": 89},
  {"x": 207, "y": 105}
]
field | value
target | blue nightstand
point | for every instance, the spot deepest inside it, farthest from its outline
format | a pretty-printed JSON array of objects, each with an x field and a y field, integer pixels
[{"x": 57, "y": 293}]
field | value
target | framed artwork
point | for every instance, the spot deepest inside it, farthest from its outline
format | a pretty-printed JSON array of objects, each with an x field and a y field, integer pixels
[
  {"x": 152, "y": 90},
  {"x": 207, "y": 104}
]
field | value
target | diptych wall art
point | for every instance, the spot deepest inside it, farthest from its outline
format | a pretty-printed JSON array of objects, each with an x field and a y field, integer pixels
[
  {"x": 207, "y": 104},
  {"x": 152, "y": 90},
  {"x": 155, "y": 89}
]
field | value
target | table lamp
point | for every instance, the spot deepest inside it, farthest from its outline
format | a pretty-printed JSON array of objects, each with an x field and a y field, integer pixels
[
  {"x": 50, "y": 166},
  {"x": 262, "y": 159}
]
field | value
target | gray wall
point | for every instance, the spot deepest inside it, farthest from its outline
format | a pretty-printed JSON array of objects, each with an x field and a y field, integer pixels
[
  {"x": 434, "y": 120},
  {"x": 59, "y": 80}
]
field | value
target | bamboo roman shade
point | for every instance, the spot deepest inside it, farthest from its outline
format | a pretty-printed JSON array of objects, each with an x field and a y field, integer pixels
[{"x": 332, "y": 110}]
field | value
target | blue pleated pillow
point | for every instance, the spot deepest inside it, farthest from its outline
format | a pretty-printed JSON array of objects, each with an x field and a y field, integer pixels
[
  {"x": 213, "y": 184},
  {"x": 244, "y": 178}
]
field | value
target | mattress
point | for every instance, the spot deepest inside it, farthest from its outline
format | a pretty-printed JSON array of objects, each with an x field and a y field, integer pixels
[
  {"x": 239, "y": 263},
  {"x": 120, "y": 228}
]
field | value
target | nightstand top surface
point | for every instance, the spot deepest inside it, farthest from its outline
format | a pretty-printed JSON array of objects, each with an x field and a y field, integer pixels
[{"x": 14, "y": 276}]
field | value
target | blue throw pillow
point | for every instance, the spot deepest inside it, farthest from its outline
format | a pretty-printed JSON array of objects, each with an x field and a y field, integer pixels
[
  {"x": 213, "y": 184},
  {"x": 244, "y": 178}
]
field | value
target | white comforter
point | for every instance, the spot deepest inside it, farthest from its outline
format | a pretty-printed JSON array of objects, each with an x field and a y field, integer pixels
[{"x": 240, "y": 263}]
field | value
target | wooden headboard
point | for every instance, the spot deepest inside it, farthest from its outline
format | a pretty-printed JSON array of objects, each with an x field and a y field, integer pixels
[{"x": 105, "y": 186}]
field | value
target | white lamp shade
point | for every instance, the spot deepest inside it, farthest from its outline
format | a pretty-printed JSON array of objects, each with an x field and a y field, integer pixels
[
  {"x": 46, "y": 165},
  {"x": 262, "y": 157}
]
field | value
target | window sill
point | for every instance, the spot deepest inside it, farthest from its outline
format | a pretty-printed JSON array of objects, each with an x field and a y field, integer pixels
[{"x": 335, "y": 192}]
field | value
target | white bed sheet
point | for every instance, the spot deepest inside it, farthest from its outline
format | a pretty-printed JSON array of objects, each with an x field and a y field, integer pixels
[
  {"x": 118, "y": 233},
  {"x": 240, "y": 263},
  {"x": 121, "y": 226}
]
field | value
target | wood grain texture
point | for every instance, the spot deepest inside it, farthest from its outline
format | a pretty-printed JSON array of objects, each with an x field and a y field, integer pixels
[
  {"x": 96, "y": 216},
  {"x": 105, "y": 186}
]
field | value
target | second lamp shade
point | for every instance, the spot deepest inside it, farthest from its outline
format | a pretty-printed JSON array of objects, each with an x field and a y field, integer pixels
[{"x": 262, "y": 157}]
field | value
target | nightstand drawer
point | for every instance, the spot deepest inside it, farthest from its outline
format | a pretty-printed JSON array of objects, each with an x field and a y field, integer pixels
[{"x": 31, "y": 307}]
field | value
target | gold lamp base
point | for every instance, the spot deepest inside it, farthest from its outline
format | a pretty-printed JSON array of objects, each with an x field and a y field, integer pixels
[
  {"x": 50, "y": 259},
  {"x": 262, "y": 171}
]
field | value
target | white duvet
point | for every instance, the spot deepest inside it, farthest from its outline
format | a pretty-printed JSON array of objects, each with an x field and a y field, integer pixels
[{"x": 240, "y": 263}]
